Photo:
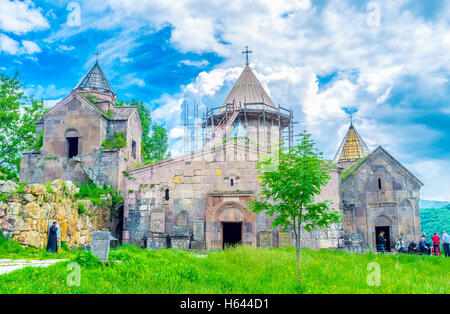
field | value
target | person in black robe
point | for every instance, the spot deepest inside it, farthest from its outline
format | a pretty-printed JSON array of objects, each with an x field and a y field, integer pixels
[
  {"x": 52, "y": 243},
  {"x": 381, "y": 243}
]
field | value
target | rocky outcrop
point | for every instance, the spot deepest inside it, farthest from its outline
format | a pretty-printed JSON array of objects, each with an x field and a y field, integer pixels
[
  {"x": 27, "y": 216},
  {"x": 8, "y": 186}
]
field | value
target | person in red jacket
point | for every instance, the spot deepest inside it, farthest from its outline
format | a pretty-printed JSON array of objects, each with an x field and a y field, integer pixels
[{"x": 436, "y": 244}]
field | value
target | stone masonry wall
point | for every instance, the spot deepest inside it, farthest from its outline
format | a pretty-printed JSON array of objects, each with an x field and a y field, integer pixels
[
  {"x": 102, "y": 166},
  {"x": 193, "y": 182},
  {"x": 395, "y": 204},
  {"x": 27, "y": 215}
]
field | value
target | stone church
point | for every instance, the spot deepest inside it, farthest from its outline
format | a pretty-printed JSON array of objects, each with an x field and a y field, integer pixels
[
  {"x": 73, "y": 133},
  {"x": 378, "y": 194},
  {"x": 199, "y": 200}
]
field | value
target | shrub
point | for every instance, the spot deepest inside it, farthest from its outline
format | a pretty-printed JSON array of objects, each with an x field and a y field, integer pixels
[
  {"x": 116, "y": 141},
  {"x": 90, "y": 191},
  {"x": 87, "y": 260},
  {"x": 81, "y": 208}
]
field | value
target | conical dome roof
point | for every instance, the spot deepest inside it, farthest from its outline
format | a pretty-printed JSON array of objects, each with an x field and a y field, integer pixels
[
  {"x": 352, "y": 147},
  {"x": 95, "y": 79},
  {"x": 250, "y": 91}
]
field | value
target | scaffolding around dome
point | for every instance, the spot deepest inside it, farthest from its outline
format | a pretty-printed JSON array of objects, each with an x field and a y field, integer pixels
[{"x": 218, "y": 121}]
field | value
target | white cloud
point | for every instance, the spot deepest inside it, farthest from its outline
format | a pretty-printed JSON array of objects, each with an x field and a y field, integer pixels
[
  {"x": 8, "y": 45},
  {"x": 50, "y": 103},
  {"x": 198, "y": 64},
  {"x": 21, "y": 17},
  {"x": 30, "y": 47},
  {"x": 429, "y": 171},
  {"x": 176, "y": 133},
  {"x": 294, "y": 43},
  {"x": 132, "y": 79},
  {"x": 65, "y": 48},
  {"x": 13, "y": 47}
]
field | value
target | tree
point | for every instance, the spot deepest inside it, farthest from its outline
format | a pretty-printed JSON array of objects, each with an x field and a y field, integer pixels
[
  {"x": 290, "y": 190},
  {"x": 155, "y": 141},
  {"x": 18, "y": 115},
  {"x": 158, "y": 147}
]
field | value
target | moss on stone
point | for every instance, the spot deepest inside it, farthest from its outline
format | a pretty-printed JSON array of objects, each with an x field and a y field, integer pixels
[
  {"x": 345, "y": 174},
  {"x": 116, "y": 141}
]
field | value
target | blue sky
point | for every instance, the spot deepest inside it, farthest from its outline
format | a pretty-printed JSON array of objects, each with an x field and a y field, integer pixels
[{"x": 387, "y": 61}]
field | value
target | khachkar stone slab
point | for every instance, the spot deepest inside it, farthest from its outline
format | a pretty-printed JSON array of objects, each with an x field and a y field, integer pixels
[
  {"x": 180, "y": 244},
  {"x": 180, "y": 231},
  {"x": 157, "y": 242},
  {"x": 100, "y": 244},
  {"x": 265, "y": 239},
  {"x": 198, "y": 245},
  {"x": 199, "y": 230},
  {"x": 157, "y": 221},
  {"x": 284, "y": 238},
  {"x": 182, "y": 218}
]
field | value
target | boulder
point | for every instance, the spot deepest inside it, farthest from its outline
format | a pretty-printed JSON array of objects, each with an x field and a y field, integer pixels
[
  {"x": 56, "y": 185},
  {"x": 35, "y": 189},
  {"x": 31, "y": 238},
  {"x": 71, "y": 187},
  {"x": 9, "y": 187},
  {"x": 32, "y": 210},
  {"x": 29, "y": 198},
  {"x": 14, "y": 198}
]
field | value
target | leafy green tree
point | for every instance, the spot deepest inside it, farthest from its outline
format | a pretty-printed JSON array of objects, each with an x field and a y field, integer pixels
[
  {"x": 158, "y": 146},
  {"x": 18, "y": 115},
  {"x": 290, "y": 190},
  {"x": 155, "y": 141}
]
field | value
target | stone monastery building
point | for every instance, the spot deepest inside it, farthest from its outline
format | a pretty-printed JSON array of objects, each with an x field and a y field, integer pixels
[
  {"x": 73, "y": 132},
  {"x": 199, "y": 200}
]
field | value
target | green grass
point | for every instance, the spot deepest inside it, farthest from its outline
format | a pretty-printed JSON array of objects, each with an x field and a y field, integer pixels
[
  {"x": 239, "y": 270},
  {"x": 13, "y": 250}
]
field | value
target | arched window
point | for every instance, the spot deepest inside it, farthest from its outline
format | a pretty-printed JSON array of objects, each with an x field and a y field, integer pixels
[
  {"x": 379, "y": 184},
  {"x": 72, "y": 139},
  {"x": 232, "y": 181},
  {"x": 166, "y": 197}
]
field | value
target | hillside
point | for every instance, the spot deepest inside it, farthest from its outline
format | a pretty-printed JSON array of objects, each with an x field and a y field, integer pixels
[
  {"x": 435, "y": 220},
  {"x": 432, "y": 204}
]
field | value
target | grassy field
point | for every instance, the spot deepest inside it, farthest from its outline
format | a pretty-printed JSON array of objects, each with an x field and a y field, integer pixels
[{"x": 239, "y": 270}]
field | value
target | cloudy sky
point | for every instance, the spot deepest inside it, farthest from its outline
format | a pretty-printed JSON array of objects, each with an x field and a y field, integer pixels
[{"x": 387, "y": 61}]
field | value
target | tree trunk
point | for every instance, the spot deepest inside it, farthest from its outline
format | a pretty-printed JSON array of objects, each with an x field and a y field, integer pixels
[{"x": 297, "y": 246}]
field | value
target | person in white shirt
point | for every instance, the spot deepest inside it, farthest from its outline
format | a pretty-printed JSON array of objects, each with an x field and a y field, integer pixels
[
  {"x": 446, "y": 243},
  {"x": 400, "y": 246}
]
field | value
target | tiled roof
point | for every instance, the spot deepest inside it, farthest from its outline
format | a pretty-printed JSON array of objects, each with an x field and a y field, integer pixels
[
  {"x": 248, "y": 90},
  {"x": 352, "y": 148},
  {"x": 95, "y": 79},
  {"x": 121, "y": 113}
]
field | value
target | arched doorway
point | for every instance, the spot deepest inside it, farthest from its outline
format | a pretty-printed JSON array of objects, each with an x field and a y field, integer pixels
[
  {"x": 383, "y": 223},
  {"x": 117, "y": 222},
  {"x": 228, "y": 224}
]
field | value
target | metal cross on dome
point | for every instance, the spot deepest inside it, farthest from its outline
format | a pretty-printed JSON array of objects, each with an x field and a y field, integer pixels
[{"x": 246, "y": 52}]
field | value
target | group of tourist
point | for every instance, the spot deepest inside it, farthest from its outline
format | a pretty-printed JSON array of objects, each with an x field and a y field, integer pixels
[{"x": 425, "y": 247}]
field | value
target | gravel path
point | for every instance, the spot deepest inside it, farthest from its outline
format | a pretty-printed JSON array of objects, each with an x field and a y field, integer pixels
[{"x": 9, "y": 265}]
